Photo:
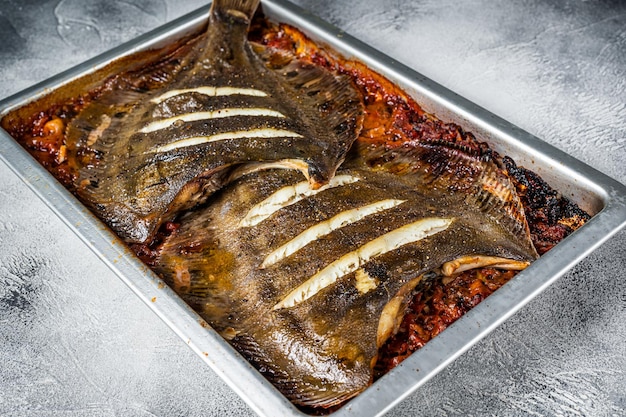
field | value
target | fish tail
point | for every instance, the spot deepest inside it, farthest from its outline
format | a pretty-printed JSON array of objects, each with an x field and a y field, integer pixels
[{"x": 235, "y": 8}]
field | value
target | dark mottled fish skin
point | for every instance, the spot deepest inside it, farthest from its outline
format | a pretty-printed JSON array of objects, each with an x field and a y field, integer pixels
[
  {"x": 145, "y": 174},
  {"x": 321, "y": 351},
  {"x": 480, "y": 174}
]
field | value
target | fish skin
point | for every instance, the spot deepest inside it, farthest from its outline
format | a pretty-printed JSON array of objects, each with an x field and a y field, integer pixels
[
  {"x": 479, "y": 174},
  {"x": 322, "y": 351},
  {"x": 134, "y": 187}
]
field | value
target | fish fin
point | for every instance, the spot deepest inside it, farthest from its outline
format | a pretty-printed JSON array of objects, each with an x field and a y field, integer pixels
[
  {"x": 459, "y": 168},
  {"x": 90, "y": 132},
  {"x": 327, "y": 400},
  {"x": 496, "y": 196},
  {"x": 123, "y": 98},
  {"x": 103, "y": 114},
  {"x": 468, "y": 262},
  {"x": 257, "y": 356},
  {"x": 298, "y": 392},
  {"x": 324, "y": 96},
  {"x": 332, "y": 95}
]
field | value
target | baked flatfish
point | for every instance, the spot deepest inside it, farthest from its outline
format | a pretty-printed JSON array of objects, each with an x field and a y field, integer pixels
[
  {"x": 224, "y": 113},
  {"x": 309, "y": 284}
]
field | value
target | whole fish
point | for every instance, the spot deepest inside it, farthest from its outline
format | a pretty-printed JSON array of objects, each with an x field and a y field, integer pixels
[
  {"x": 308, "y": 283},
  {"x": 223, "y": 114}
]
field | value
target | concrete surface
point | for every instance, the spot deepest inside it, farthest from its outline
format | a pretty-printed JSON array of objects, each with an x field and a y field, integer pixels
[{"x": 74, "y": 340}]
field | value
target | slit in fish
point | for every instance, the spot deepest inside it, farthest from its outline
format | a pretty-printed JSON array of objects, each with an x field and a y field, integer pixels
[
  {"x": 211, "y": 92},
  {"x": 208, "y": 115},
  {"x": 352, "y": 261},
  {"x": 240, "y": 134},
  {"x": 313, "y": 233},
  {"x": 249, "y": 168},
  {"x": 287, "y": 196}
]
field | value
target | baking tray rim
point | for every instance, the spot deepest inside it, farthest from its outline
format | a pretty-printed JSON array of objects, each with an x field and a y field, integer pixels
[{"x": 258, "y": 393}]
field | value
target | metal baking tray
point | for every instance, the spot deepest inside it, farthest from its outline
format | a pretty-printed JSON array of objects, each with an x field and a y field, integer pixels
[{"x": 596, "y": 193}]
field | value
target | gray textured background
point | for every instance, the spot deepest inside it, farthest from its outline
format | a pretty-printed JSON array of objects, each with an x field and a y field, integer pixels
[{"x": 74, "y": 341}]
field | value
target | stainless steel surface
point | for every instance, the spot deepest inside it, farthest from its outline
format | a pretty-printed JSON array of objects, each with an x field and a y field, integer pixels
[{"x": 42, "y": 287}]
